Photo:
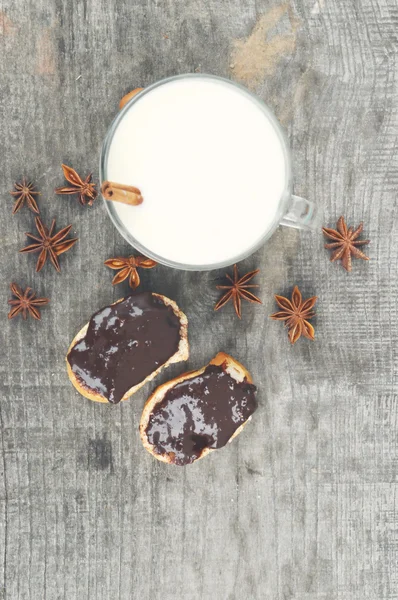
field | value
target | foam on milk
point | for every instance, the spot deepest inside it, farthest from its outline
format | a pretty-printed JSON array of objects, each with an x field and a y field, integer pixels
[{"x": 209, "y": 164}]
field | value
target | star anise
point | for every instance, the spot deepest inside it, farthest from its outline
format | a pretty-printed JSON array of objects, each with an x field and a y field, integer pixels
[
  {"x": 49, "y": 244},
  {"x": 295, "y": 313},
  {"x": 24, "y": 192},
  {"x": 345, "y": 243},
  {"x": 238, "y": 290},
  {"x": 25, "y": 303},
  {"x": 85, "y": 189},
  {"x": 127, "y": 267}
]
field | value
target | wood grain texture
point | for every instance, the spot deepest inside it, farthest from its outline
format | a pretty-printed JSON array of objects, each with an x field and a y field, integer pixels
[{"x": 302, "y": 506}]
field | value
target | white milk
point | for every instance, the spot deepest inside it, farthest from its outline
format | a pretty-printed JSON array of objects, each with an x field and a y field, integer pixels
[{"x": 210, "y": 166}]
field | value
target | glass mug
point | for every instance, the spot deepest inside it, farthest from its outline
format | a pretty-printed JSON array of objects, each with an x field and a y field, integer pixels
[{"x": 214, "y": 169}]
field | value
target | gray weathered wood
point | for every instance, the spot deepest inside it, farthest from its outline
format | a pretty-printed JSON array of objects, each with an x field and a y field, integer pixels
[{"x": 303, "y": 505}]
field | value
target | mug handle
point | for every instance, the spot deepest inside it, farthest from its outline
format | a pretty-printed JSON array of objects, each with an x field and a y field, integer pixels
[{"x": 302, "y": 214}]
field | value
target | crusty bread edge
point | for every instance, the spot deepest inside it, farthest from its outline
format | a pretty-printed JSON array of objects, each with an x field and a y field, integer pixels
[
  {"x": 233, "y": 368},
  {"x": 181, "y": 355}
]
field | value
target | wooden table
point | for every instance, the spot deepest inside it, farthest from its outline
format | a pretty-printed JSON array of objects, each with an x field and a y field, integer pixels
[{"x": 303, "y": 505}]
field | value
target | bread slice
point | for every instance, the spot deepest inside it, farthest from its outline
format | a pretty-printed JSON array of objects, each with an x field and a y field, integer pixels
[
  {"x": 182, "y": 354},
  {"x": 235, "y": 369}
]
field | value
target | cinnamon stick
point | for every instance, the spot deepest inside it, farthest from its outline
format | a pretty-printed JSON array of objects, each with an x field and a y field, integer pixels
[
  {"x": 128, "y": 97},
  {"x": 118, "y": 192}
]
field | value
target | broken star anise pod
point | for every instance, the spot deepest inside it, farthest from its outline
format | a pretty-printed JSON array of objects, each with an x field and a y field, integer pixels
[
  {"x": 49, "y": 244},
  {"x": 345, "y": 243},
  {"x": 127, "y": 267},
  {"x": 295, "y": 313},
  {"x": 24, "y": 192},
  {"x": 25, "y": 303},
  {"x": 238, "y": 290},
  {"x": 86, "y": 189}
]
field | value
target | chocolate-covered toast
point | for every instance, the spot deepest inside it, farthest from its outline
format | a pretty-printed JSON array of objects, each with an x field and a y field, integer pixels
[
  {"x": 125, "y": 345},
  {"x": 190, "y": 416}
]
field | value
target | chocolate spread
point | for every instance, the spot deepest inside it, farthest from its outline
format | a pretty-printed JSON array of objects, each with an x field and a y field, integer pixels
[
  {"x": 201, "y": 412},
  {"x": 124, "y": 343}
]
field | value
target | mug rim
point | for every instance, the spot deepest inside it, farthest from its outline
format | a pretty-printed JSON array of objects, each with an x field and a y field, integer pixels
[{"x": 283, "y": 203}]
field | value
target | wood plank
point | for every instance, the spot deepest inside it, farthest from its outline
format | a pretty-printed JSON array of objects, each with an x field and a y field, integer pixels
[{"x": 303, "y": 504}]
